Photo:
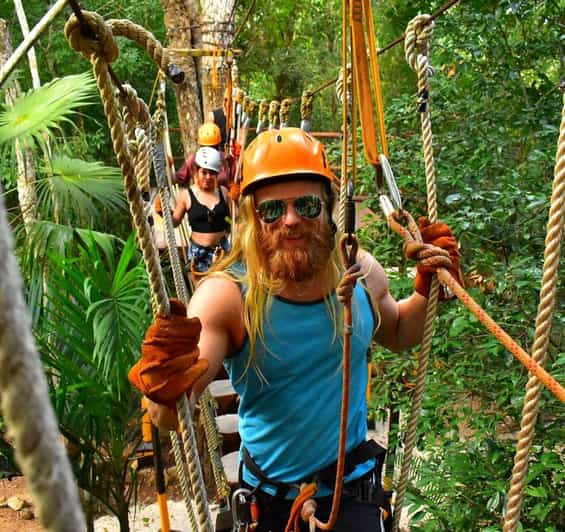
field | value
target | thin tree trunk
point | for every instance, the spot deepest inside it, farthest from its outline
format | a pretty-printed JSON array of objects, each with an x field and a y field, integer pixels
[
  {"x": 31, "y": 52},
  {"x": 181, "y": 20},
  {"x": 217, "y": 32},
  {"x": 24, "y": 156}
]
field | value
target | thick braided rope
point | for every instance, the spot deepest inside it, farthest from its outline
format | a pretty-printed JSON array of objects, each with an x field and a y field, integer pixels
[
  {"x": 284, "y": 113},
  {"x": 274, "y": 107},
  {"x": 97, "y": 56},
  {"x": 183, "y": 478},
  {"x": 187, "y": 430},
  {"x": 194, "y": 470},
  {"x": 210, "y": 427},
  {"x": 207, "y": 409},
  {"x": 417, "y": 34},
  {"x": 306, "y": 110},
  {"x": 26, "y": 406},
  {"x": 142, "y": 163},
  {"x": 541, "y": 338},
  {"x": 145, "y": 39},
  {"x": 262, "y": 115}
]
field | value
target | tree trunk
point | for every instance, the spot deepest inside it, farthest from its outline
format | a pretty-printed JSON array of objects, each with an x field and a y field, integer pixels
[
  {"x": 24, "y": 156},
  {"x": 217, "y": 32},
  {"x": 181, "y": 20}
]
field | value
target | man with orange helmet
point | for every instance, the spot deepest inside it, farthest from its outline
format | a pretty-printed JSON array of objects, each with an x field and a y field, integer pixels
[{"x": 269, "y": 312}]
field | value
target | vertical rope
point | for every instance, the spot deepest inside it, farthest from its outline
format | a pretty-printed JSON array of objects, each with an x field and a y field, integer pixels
[
  {"x": 26, "y": 406},
  {"x": 183, "y": 478},
  {"x": 345, "y": 109},
  {"x": 101, "y": 51},
  {"x": 541, "y": 338},
  {"x": 417, "y": 33}
]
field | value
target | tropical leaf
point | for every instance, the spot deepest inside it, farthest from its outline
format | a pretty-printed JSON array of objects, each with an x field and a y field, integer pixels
[
  {"x": 75, "y": 191},
  {"x": 41, "y": 111}
]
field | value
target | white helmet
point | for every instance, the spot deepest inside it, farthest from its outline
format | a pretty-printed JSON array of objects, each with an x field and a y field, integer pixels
[{"x": 209, "y": 159}]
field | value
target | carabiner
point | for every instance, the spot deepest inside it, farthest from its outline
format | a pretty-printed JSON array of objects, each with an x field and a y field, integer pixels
[{"x": 241, "y": 510}]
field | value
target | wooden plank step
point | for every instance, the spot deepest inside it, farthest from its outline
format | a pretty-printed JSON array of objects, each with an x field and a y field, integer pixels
[
  {"x": 228, "y": 428},
  {"x": 231, "y": 467},
  {"x": 223, "y": 392}
]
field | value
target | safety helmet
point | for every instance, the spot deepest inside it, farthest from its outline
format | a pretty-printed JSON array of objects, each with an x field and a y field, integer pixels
[
  {"x": 279, "y": 153},
  {"x": 209, "y": 134},
  {"x": 209, "y": 159}
]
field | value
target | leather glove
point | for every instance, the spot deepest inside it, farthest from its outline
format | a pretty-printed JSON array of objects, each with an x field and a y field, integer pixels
[
  {"x": 346, "y": 286},
  {"x": 440, "y": 250},
  {"x": 233, "y": 192},
  {"x": 169, "y": 364}
]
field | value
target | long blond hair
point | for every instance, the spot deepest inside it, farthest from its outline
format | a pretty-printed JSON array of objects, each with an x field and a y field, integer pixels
[{"x": 260, "y": 285}]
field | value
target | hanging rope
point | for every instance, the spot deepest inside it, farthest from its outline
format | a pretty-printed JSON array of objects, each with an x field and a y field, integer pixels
[
  {"x": 26, "y": 406},
  {"x": 541, "y": 337},
  {"x": 284, "y": 113},
  {"x": 417, "y": 37},
  {"x": 262, "y": 116},
  {"x": 206, "y": 401},
  {"x": 274, "y": 108},
  {"x": 101, "y": 50},
  {"x": 306, "y": 109}
]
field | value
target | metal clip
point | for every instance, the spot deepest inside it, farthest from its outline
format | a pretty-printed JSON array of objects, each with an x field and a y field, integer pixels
[{"x": 241, "y": 509}]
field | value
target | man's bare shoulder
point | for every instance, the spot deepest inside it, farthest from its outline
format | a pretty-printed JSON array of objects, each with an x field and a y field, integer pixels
[{"x": 218, "y": 294}]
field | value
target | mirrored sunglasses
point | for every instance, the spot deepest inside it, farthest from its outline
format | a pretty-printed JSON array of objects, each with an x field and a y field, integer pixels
[{"x": 271, "y": 211}]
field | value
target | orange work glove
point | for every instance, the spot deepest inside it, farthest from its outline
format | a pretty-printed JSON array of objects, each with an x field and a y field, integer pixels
[
  {"x": 233, "y": 191},
  {"x": 169, "y": 364},
  {"x": 440, "y": 251}
]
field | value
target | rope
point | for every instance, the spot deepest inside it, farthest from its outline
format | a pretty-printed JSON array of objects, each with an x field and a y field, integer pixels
[
  {"x": 541, "y": 341},
  {"x": 347, "y": 104},
  {"x": 306, "y": 109},
  {"x": 206, "y": 400},
  {"x": 100, "y": 52},
  {"x": 183, "y": 478},
  {"x": 208, "y": 407},
  {"x": 284, "y": 112},
  {"x": 26, "y": 406},
  {"x": 274, "y": 107},
  {"x": 262, "y": 115},
  {"x": 417, "y": 33}
]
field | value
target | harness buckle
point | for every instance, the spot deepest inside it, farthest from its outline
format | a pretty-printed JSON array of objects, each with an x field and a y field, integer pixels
[{"x": 245, "y": 510}]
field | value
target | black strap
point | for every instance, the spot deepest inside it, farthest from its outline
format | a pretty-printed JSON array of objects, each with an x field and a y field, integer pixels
[
  {"x": 282, "y": 487},
  {"x": 363, "y": 452}
]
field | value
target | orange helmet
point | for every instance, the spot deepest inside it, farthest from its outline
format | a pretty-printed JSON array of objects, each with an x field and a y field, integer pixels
[
  {"x": 278, "y": 153},
  {"x": 209, "y": 134}
]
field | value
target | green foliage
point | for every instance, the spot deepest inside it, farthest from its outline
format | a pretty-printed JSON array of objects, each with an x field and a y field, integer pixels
[
  {"x": 76, "y": 191},
  {"x": 40, "y": 112},
  {"x": 89, "y": 336}
]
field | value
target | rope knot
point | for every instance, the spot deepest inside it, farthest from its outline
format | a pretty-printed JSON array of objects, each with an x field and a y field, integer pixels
[
  {"x": 417, "y": 37},
  {"x": 95, "y": 39}
]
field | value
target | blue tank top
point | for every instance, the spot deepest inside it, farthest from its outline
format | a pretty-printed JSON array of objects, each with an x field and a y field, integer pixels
[{"x": 290, "y": 423}]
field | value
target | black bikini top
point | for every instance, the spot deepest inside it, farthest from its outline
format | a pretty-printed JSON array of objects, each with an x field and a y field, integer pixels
[{"x": 205, "y": 220}]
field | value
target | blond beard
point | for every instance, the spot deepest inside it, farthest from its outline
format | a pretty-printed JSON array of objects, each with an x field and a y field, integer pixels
[{"x": 296, "y": 264}]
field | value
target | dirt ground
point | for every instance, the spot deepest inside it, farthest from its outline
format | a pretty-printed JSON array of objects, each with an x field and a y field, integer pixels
[
  {"x": 11, "y": 520},
  {"x": 145, "y": 517}
]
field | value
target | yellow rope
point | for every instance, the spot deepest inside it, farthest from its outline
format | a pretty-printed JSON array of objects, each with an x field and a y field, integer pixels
[
  {"x": 541, "y": 338},
  {"x": 419, "y": 29}
]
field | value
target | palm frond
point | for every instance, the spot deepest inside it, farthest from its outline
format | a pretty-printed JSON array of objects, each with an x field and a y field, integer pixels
[
  {"x": 39, "y": 112},
  {"x": 77, "y": 190}
]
